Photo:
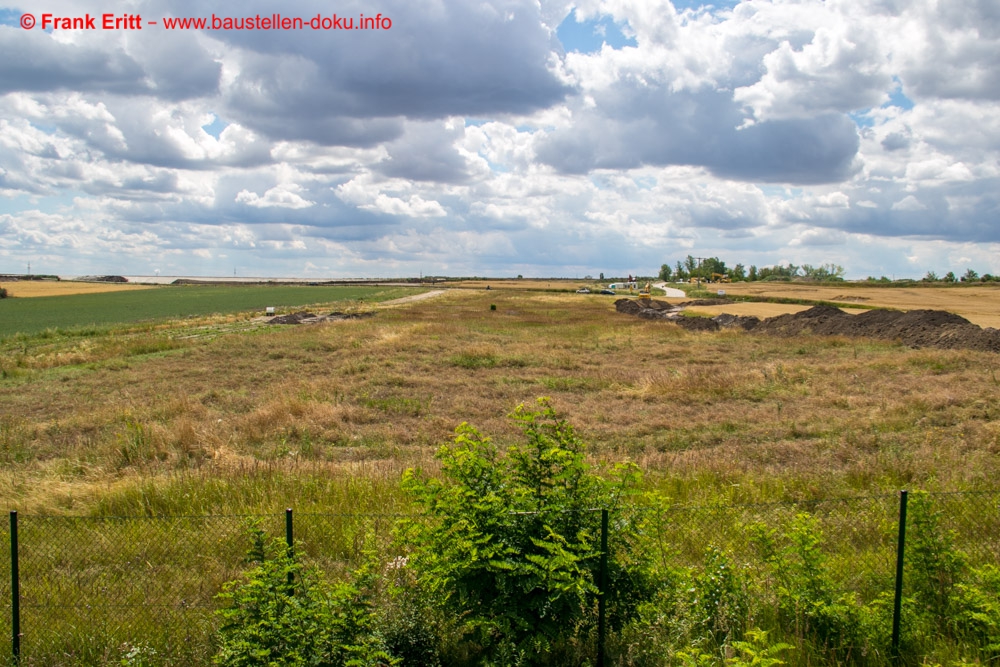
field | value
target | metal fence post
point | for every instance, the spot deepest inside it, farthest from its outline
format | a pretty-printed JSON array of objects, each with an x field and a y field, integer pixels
[
  {"x": 898, "y": 600},
  {"x": 602, "y": 591},
  {"x": 289, "y": 541},
  {"x": 15, "y": 592}
]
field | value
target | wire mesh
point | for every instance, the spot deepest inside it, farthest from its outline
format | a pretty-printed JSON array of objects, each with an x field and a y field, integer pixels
[{"x": 94, "y": 589}]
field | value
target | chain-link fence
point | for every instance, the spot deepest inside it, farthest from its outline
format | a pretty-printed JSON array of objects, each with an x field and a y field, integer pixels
[{"x": 98, "y": 590}]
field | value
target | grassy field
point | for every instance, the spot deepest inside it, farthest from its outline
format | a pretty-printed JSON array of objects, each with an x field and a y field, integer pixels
[
  {"x": 28, "y": 316},
  {"x": 88, "y": 419},
  {"x": 214, "y": 417}
]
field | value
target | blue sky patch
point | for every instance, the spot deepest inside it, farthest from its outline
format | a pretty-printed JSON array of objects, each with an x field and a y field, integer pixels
[
  {"x": 11, "y": 17},
  {"x": 590, "y": 35},
  {"x": 897, "y": 98},
  {"x": 216, "y": 127}
]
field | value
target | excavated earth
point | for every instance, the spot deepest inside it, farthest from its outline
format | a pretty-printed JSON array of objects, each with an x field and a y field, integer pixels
[
  {"x": 916, "y": 328},
  {"x": 305, "y": 317}
]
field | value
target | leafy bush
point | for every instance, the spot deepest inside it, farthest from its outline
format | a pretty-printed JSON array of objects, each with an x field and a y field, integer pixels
[
  {"x": 511, "y": 541},
  {"x": 809, "y": 605},
  {"x": 282, "y": 613},
  {"x": 949, "y": 598}
]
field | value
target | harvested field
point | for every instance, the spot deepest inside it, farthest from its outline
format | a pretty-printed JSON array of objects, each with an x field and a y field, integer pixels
[
  {"x": 36, "y": 288},
  {"x": 916, "y": 328},
  {"x": 530, "y": 284},
  {"x": 980, "y": 304}
]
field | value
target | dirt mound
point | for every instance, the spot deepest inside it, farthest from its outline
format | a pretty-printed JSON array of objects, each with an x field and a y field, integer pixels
[
  {"x": 305, "y": 317},
  {"x": 746, "y": 322},
  {"x": 292, "y": 318},
  {"x": 916, "y": 328},
  {"x": 697, "y": 323},
  {"x": 647, "y": 309}
]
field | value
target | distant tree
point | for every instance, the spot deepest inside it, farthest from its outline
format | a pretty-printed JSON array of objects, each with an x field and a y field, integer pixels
[
  {"x": 752, "y": 275},
  {"x": 602, "y": 276},
  {"x": 931, "y": 277},
  {"x": 825, "y": 272},
  {"x": 691, "y": 265},
  {"x": 970, "y": 276},
  {"x": 665, "y": 272},
  {"x": 3, "y": 292},
  {"x": 680, "y": 272},
  {"x": 712, "y": 265},
  {"x": 987, "y": 278},
  {"x": 950, "y": 277},
  {"x": 738, "y": 273}
]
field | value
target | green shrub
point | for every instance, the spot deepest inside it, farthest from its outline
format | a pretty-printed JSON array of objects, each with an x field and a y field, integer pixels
[
  {"x": 511, "y": 541},
  {"x": 949, "y": 598},
  {"x": 809, "y": 605},
  {"x": 282, "y": 613}
]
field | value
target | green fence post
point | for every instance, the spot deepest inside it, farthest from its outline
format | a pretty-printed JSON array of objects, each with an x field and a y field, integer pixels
[
  {"x": 602, "y": 591},
  {"x": 897, "y": 604},
  {"x": 289, "y": 541},
  {"x": 15, "y": 592}
]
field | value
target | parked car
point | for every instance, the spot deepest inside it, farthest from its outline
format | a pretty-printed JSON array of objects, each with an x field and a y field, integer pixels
[
  {"x": 608, "y": 291},
  {"x": 583, "y": 290}
]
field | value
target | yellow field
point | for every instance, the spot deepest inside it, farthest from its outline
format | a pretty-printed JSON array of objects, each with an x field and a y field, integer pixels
[
  {"x": 33, "y": 288},
  {"x": 980, "y": 304}
]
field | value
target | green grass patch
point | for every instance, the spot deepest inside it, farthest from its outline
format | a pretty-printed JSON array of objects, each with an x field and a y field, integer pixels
[{"x": 86, "y": 311}]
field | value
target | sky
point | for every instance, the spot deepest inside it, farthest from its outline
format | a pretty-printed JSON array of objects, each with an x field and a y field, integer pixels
[{"x": 500, "y": 137}]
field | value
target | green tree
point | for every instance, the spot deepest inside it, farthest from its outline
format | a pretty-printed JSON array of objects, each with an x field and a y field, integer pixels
[
  {"x": 681, "y": 272},
  {"x": 665, "y": 272},
  {"x": 825, "y": 272},
  {"x": 511, "y": 539},
  {"x": 970, "y": 276},
  {"x": 752, "y": 274},
  {"x": 712, "y": 265},
  {"x": 739, "y": 273},
  {"x": 950, "y": 277},
  {"x": 931, "y": 277}
]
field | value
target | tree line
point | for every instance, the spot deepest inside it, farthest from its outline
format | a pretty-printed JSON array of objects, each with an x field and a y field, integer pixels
[{"x": 707, "y": 268}]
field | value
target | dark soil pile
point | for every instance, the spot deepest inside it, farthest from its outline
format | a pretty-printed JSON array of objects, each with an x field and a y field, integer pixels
[
  {"x": 916, "y": 328},
  {"x": 305, "y": 317}
]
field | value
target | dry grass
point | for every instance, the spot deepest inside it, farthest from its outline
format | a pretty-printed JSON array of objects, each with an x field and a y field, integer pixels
[
  {"x": 725, "y": 416},
  {"x": 34, "y": 288}
]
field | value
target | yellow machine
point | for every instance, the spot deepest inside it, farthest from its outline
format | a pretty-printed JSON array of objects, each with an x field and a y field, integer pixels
[
  {"x": 644, "y": 292},
  {"x": 720, "y": 278}
]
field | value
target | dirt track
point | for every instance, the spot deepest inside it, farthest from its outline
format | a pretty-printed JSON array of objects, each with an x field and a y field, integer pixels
[{"x": 916, "y": 328}]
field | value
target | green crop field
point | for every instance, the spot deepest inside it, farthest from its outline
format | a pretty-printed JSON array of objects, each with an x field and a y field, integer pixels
[{"x": 81, "y": 311}]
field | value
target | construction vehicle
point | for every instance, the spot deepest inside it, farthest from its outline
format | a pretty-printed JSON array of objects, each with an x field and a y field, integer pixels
[
  {"x": 644, "y": 292},
  {"x": 720, "y": 278}
]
